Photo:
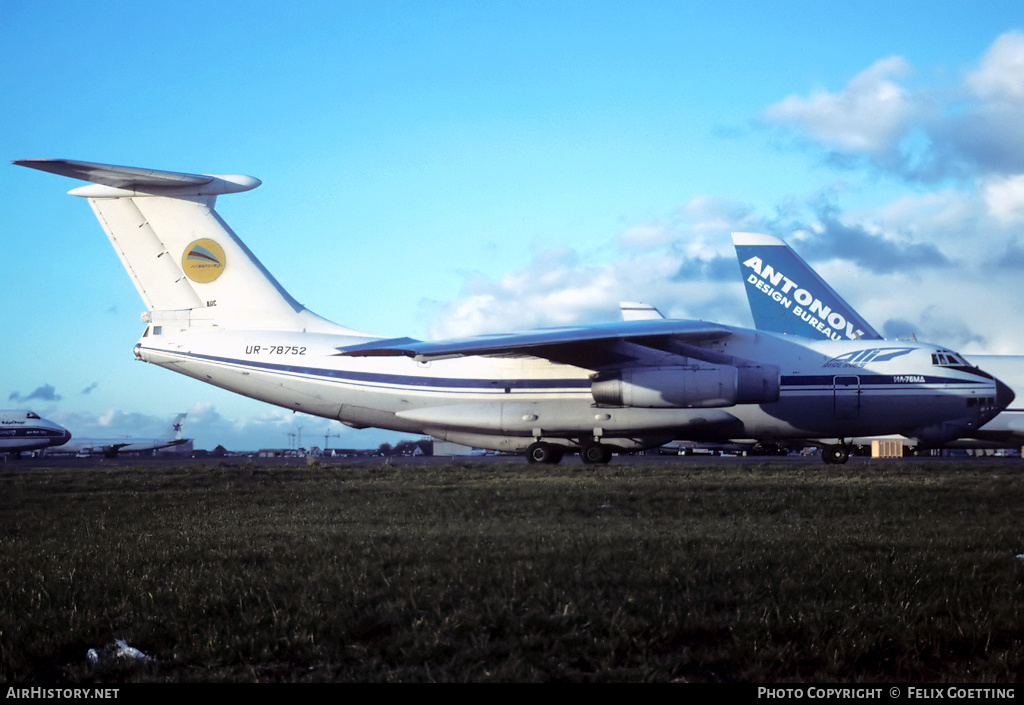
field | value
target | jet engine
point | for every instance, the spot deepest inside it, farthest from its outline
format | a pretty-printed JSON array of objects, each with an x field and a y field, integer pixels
[{"x": 687, "y": 387}]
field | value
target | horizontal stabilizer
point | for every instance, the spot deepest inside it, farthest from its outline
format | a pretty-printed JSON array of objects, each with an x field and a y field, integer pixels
[{"x": 128, "y": 180}]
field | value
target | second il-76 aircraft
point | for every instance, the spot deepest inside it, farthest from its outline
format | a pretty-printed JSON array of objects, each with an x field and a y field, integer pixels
[
  {"x": 216, "y": 314},
  {"x": 769, "y": 267}
]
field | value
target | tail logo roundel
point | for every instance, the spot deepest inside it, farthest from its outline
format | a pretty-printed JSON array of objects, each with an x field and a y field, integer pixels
[{"x": 203, "y": 261}]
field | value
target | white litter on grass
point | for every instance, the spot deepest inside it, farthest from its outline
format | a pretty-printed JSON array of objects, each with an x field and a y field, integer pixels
[{"x": 119, "y": 649}]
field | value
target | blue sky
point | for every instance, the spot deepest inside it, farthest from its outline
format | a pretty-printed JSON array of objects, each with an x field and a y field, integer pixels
[{"x": 445, "y": 168}]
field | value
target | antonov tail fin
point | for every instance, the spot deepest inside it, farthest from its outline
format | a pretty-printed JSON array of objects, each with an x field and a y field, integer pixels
[
  {"x": 184, "y": 260},
  {"x": 787, "y": 296}
]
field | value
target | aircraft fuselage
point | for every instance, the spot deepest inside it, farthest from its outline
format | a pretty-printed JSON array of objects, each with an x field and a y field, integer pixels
[
  {"x": 826, "y": 389},
  {"x": 25, "y": 430}
]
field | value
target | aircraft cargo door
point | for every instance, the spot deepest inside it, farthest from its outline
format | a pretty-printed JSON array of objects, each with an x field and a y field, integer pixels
[{"x": 847, "y": 396}]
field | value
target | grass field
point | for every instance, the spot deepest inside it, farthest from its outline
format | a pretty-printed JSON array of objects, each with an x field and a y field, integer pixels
[{"x": 899, "y": 571}]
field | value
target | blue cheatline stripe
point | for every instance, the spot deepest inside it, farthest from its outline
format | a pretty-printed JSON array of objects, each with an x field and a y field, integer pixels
[
  {"x": 874, "y": 380},
  {"x": 30, "y": 433},
  {"x": 790, "y": 381}
]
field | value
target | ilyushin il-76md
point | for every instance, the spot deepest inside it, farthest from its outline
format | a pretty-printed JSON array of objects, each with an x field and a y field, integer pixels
[
  {"x": 216, "y": 314},
  {"x": 788, "y": 296}
]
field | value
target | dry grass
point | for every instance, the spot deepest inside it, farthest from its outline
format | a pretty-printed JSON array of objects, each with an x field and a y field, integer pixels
[{"x": 766, "y": 573}]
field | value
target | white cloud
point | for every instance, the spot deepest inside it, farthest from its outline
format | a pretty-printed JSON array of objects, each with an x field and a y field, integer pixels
[
  {"x": 871, "y": 114},
  {"x": 1004, "y": 198},
  {"x": 1000, "y": 77},
  {"x": 677, "y": 264},
  {"x": 555, "y": 289},
  {"x": 646, "y": 236},
  {"x": 927, "y": 134}
]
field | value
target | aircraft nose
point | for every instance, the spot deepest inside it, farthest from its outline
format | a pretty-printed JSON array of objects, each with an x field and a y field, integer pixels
[{"x": 1004, "y": 395}]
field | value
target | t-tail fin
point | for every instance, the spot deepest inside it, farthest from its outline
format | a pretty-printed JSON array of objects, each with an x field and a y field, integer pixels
[
  {"x": 185, "y": 261},
  {"x": 174, "y": 431},
  {"x": 787, "y": 296}
]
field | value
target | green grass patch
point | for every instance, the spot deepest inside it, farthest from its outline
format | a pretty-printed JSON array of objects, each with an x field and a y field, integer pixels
[{"x": 511, "y": 572}]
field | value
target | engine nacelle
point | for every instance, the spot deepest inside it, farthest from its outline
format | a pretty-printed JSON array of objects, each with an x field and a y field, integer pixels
[{"x": 687, "y": 387}]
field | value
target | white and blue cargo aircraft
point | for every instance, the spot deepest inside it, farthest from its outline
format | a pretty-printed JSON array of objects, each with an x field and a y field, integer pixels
[
  {"x": 111, "y": 447},
  {"x": 26, "y": 430},
  {"x": 216, "y": 314},
  {"x": 787, "y": 296}
]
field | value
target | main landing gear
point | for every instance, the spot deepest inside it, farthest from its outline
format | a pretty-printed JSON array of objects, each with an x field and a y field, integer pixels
[
  {"x": 835, "y": 454},
  {"x": 548, "y": 453},
  {"x": 595, "y": 454},
  {"x": 551, "y": 453}
]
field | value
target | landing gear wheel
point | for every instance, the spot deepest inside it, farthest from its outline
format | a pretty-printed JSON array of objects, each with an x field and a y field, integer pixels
[
  {"x": 596, "y": 454},
  {"x": 547, "y": 453},
  {"x": 835, "y": 454}
]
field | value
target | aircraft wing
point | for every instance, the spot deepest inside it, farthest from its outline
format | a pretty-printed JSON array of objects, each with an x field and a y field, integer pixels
[
  {"x": 94, "y": 447},
  {"x": 585, "y": 346}
]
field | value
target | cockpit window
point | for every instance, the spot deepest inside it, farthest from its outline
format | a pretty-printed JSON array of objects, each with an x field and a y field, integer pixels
[
  {"x": 949, "y": 359},
  {"x": 31, "y": 415}
]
